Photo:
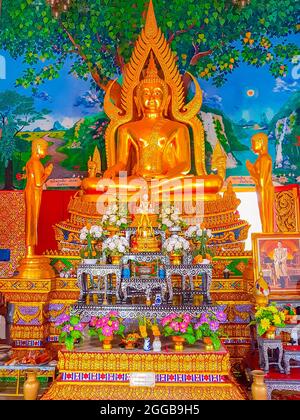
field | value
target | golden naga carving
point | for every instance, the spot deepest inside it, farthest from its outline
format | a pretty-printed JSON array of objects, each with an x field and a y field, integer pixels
[
  {"x": 261, "y": 173},
  {"x": 219, "y": 160},
  {"x": 148, "y": 135},
  {"x": 36, "y": 176}
]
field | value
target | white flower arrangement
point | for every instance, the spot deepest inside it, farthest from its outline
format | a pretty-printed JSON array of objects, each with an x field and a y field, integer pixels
[
  {"x": 202, "y": 236},
  {"x": 88, "y": 234},
  {"x": 170, "y": 218},
  {"x": 196, "y": 232},
  {"x": 115, "y": 245},
  {"x": 95, "y": 232},
  {"x": 115, "y": 216},
  {"x": 176, "y": 245}
]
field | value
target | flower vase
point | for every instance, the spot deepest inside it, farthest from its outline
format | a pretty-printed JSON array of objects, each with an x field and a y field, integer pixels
[
  {"x": 270, "y": 334},
  {"x": 258, "y": 387},
  {"x": 147, "y": 344},
  {"x": 31, "y": 386},
  {"x": 208, "y": 343},
  {"x": 130, "y": 345},
  {"x": 90, "y": 261},
  {"x": 176, "y": 259},
  {"x": 157, "y": 344},
  {"x": 116, "y": 259},
  {"x": 178, "y": 342},
  {"x": 107, "y": 343}
]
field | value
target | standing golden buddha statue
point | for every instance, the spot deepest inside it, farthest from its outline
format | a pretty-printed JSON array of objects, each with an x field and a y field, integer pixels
[
  {"x": 148, "y": 135},
  {"x": 35, "y": 267},
  {"x": 36, "y": 176},
  {"x": 261, "y": 173}
]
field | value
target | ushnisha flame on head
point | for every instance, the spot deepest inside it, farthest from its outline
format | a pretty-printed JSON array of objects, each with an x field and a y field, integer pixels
[{"x": 152, "y": 79}]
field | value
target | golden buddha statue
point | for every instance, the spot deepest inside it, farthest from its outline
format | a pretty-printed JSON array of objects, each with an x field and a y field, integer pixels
[
  {"x": 148, "y": 135},
  {"x": 36, "y": 176},
  {"x": 261, "y": 291},
  {"x": 145, "y": 237},
  {"x": 89, "y": 184},
  {"x": 35, "y": 267},
  {"x": 261, "y": 173}
]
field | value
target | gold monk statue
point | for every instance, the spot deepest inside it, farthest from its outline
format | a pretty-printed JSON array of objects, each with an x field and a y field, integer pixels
[
  {"x": 261, "y": 173},
  {"x": 36, "y": 176},
  {"x": 151, "y": 125}
]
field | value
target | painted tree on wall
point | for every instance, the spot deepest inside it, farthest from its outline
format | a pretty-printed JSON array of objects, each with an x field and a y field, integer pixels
[
  {"x": 211, "y": 37},
  {"x": 16, "y": 112}
]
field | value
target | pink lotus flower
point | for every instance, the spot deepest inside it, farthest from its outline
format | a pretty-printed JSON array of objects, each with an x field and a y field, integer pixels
[
  {"x": 174, "y": 325},
  {"x": 113, "y": 313},
  {"x": 93, "y": 321},
  {"x": 221, "y": 316},
  {"x": 62, "y": 319},
  {"x": 115, "y": 325},
  {"x": 107, "y": 331},
  {"x": 204, "y": 318},
  {"x": 187, "y": 318},
  {"x": 214, "y": 325},
  {"x": 105, "y": 320},
  {"x": 66, "y": 328},
  {"x": 99, "y": 323},
  {"x": 79, "y": 327}
]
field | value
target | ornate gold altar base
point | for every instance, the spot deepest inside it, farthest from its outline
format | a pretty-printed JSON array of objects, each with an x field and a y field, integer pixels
[
  {"x": 62, "y": 391},
  {"x": 193, "y": 374}
]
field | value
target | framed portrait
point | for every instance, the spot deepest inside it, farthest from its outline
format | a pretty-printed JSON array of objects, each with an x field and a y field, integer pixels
[{"x": 277, "y": 256}]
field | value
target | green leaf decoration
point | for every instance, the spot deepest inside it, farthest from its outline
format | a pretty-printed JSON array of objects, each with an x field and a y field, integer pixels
[
  {"x": 191, "y": 339},
  {"x": 198, "y": 334},
  {"x": 74, "y": 320},
  {"x": 261, "y": 330},
  {"x": 216, "y": 342},
  {"x": 69, "y": 343}
]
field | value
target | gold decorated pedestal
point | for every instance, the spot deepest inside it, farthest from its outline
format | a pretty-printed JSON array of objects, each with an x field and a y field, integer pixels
[{"x": 192, "y": 374}]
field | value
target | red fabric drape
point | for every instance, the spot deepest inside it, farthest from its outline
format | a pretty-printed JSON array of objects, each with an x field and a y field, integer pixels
[{"x": 53, "y": 210}]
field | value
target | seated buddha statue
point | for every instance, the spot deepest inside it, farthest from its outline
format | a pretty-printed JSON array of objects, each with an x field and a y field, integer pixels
[
  {"x": 89, "y": 185},
  {"x": 152, "y": 130},
  {"x": 161, "y": 145}
]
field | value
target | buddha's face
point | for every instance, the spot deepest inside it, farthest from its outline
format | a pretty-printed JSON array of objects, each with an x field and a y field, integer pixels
[
  {"x": 259, "y": 142},
  {"x": 40, "y": 148},
  {"x": 152, "y": 98}
]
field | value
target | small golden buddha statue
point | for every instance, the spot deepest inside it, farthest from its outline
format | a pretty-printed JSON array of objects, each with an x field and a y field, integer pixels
[
  {"x": 145, "y": 240},
  {"x": 148, "y": 135},
  {"x": 261, "y": 291},
  {"x": 261, "y": 173},
  {"x": 89, "y": 184}
]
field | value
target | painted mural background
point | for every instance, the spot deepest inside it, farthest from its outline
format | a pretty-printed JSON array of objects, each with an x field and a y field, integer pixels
[{"x": 65, "y": 106}]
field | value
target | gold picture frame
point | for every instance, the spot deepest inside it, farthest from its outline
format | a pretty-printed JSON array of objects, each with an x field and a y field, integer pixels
[{"x": 277, "y": 256}]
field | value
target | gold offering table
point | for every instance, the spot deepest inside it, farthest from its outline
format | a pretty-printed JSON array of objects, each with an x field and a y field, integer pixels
[{"x": 193, "y": 374}]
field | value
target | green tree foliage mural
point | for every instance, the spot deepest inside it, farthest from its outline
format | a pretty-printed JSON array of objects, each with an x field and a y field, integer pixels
[
  {"x": 16, "y": 113},
  {"x": 210, "y": 37}
]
